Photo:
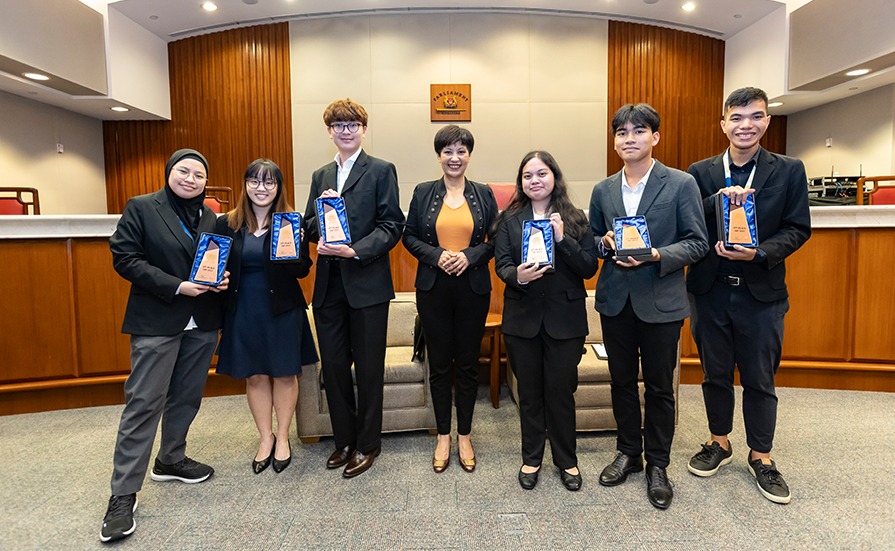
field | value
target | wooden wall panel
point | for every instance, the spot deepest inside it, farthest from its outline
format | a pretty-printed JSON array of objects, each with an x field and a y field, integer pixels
[
  {"x": 682, "y": 76},
  {"x": 230, "y": 100},
  {"x": 874, "y": 332},
  {"x": 774, "y": 139},
  {"x": 37, "y": 339}
]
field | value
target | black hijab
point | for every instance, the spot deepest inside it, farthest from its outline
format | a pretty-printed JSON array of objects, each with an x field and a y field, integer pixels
[{"x": 188, "y": 210}]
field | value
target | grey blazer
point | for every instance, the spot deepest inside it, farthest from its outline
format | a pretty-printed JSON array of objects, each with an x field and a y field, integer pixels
[{"x": 672, "y": 206}]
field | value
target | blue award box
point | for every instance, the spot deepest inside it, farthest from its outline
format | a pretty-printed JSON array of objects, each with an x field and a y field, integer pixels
[
  {"x": 285, "y": 236},
  {"x": 737, "y": 225},
  {"x": 333, "y": 221},
  {"x": 632, "y": 238},
  {"x": 211, "y": 259},
  {"x": 537, "y": 242}
]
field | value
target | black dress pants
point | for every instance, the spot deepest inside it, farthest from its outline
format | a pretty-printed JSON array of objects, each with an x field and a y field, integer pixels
[
  {"x": 453, "y": 319},
  {"x": 547, "y": 374},
  {"x": 632, "y": 344},
  {"x": 352, "y": 335},
  {"x": 732, "y": 330}
]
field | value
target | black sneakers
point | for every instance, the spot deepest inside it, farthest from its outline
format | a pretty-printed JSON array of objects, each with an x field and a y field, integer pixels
[
  {"x": 185, "y": 470},
  {"x": 709, "y": 460},
  {"x": 770, "y": 481},
  {"x": 119, "y": 520}
]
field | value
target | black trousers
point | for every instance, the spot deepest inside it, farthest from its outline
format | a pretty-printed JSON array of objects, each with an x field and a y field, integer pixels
[
  {"x": 732, "y": 330},
  {"x": 352, "y": 335},
  {"x": 453, "y": 319},
  {"x": 547, "y": 373},
  {"x": 632, "y": 344}
]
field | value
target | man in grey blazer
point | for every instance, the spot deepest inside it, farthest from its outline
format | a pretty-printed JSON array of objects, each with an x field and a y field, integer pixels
[{"x": 643, "y": 302}]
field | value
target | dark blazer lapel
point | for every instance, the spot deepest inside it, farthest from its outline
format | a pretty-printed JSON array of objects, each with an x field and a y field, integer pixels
[
  {"x": 167, "y": 213},
  {"x": 716, "y": 172},
  {"x": 615, "y": 190},
  {"x": 653, "y": 187},
  {"x": 765, "y": 166},
  {"x": 358, "y": 170},
  {"x": 330, "y": 177}
]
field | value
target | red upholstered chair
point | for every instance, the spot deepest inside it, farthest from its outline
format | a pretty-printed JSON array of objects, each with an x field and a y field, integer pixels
[
  {"x": 218, "y": 198},
  {"x": 12, "y": 201},
  {"x": 503, "y": 194},
  {"x": 880, "y": 194}
]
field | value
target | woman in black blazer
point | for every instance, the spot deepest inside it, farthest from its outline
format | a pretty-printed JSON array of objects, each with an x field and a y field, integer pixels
[
  {"x": 446, "y": 231},
  {"x": 544, "y": 316},
  {"x": 266, "y": 337}
]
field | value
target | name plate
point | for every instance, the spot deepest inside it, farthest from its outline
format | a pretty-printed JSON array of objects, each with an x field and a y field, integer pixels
[
  {"x": 737, "y": 224},
  {"x": 285, "y": 236},
  {"x": 632, "y": 237},
  {"x": 211, "y": 259},
  {"x": 537, "y": 242},
  {"x": 333, "y": 220}
]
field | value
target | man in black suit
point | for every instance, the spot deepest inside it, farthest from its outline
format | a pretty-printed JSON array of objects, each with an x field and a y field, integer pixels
[
  {"x": 353, "y": 286},
  {"x": 738, "y": 296},
  {"x": 643, "y": 305}
]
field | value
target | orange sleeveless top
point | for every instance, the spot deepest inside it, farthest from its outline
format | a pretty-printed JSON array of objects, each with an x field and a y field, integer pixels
[{"x": 454, "y": 227}]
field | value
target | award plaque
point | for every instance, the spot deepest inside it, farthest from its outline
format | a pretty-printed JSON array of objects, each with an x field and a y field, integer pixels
[
  {"x": 333, "y": 221},
  {"x": 211, "y": 259},
  {"x": 285, "y": 236},
  {"x": 632, "y": 238},
  {"x": 537, "y": 242},
  {"x": 737, "y": 224}
]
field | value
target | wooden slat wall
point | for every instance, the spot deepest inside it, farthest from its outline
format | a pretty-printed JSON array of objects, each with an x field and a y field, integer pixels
[{"x": 230, "y": 100}]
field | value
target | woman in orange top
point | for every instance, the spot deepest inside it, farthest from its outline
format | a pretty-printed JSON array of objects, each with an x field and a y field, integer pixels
[{"x": 446, "y": 231}]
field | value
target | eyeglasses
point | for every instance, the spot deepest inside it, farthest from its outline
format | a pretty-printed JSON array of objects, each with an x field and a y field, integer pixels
[
  {"x": 198, "y": 177},
  {"x": 268, "y": 184},
  {"x": 339, "y": 127}
]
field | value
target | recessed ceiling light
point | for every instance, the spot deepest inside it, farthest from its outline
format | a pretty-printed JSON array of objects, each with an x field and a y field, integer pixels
[
  {"x": 35, "y": 76},
  {"x": 737, "y": 16},
  {"x": 857, "y": 72},
  {"x": 644, "y": 1},
  {"x": 688, "y": 6},
  {"x": 853, "y": 88},
  {"x": 775, "y": 104},
  {"x": 120, "y": 109},
  {"x": 153, "y": 17},
  {"x": 209, "y": 6}
]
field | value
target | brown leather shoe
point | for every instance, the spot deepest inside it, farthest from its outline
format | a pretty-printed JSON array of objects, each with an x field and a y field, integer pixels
[
  {"x": 339, "y": 457},
  {"x": 359, "y": 463},
  {"x": 440, "y": 465},
  {"x": 468, "y": 464}
]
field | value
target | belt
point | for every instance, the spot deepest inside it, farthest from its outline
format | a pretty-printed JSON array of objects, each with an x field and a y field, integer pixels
[{"x": 733, "y": 281}]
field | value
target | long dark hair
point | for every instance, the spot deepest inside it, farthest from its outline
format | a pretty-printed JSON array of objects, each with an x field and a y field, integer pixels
[
  {"x": 243, "y": 214},
  {"x": 574, "y": 221}
]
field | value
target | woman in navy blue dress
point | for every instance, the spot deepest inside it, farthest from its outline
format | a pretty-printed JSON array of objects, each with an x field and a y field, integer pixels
[{"x": 266, "y": 336}]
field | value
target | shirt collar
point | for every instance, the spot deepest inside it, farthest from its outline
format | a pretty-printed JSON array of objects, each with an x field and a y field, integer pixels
[
  {"x": 753, "y": 159},
  {"x": 642, "y": 181},
  {"x": 348, "y": 162}
]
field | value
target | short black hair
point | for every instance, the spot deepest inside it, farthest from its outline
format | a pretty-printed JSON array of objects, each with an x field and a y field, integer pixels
[
  {"x": 743, "y": 97},
  {"x": 452, "y": 134},
  {"x": 641, "y": 114}
]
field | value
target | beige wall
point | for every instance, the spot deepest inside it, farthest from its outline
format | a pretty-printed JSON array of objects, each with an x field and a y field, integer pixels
[
  {"x": 538, "y": 82},
  {"x": 69, "y": 183},
  {"x": 862, "y": 130}
]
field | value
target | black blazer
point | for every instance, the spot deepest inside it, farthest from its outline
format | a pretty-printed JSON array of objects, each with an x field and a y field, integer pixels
[
  {"x": 151, "y": 249},
  {"x": 282, "y": 276},
  {"x": 421, "y": 239},
  {"x": 784, "y": 222},
  {"x": 375, "y": 221},
  {"x": 671, "y": 205},
  {"x": 556, "y": 299}
]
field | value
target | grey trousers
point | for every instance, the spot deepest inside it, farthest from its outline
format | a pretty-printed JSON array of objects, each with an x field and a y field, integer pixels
[{"x": 166, "y": 382}]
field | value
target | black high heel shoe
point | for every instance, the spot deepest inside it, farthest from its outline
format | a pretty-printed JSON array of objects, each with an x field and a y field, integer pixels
[
  {"x": 280, "y": 466},
  {"x": 259, "y": 466}
]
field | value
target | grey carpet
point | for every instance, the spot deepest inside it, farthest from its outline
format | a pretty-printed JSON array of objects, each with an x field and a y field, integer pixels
[{"x": 833, "y": 447}]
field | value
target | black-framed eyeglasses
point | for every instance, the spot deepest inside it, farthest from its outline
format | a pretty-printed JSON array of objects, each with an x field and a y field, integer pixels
[
  {"x": 268, "y": 184},
  {"x": 339, "y": 127}
]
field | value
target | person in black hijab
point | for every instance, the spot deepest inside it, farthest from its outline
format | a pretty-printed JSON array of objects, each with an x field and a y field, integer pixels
[{"x": 173, "y": 324}]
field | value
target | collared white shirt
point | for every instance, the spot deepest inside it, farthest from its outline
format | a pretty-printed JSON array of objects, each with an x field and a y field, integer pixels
[
  {"x": 631, "y": 197},
  {"x": 344, "y": 169}
]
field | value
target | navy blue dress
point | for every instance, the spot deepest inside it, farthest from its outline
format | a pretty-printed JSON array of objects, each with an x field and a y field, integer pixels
[{"x": 254, "y": 342}]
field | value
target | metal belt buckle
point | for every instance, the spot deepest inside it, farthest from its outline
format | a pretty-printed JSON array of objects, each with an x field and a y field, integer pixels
[{"x": 733, "y": 281}]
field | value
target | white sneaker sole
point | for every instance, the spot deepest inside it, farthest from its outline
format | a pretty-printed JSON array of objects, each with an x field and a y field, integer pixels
[
  {"x": 771, "y": 497},
  {"x": 697, "y": 472},
  {"x": 169, "y": 477},
  {"x": 126, "y": 532}
]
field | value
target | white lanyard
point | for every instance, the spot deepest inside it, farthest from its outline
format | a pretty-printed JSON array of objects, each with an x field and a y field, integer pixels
[{"x": 727, "y": 171}]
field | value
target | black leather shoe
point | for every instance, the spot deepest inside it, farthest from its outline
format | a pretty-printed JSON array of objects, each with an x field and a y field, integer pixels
[
  {"x": 617, "y": 472},
  {"x": 658, "y": 487},
  {"x": 572, "y": 482},
  {"x": 360, "y": 462},
  {"x": 259, "y": 466},
  {"x": 528, "y": 480},
  {"x": 280, "y": 466},
  {"x": 340, "y": 457}
]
